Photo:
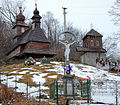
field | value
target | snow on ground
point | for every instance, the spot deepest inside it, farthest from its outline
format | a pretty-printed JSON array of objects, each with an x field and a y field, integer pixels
[
  {"x": 93, "y": 72},
  {"x": 53, "y": 76},
  {"x": 38, "y": 63},
  {"x": 24, "y": 72},
  {"x": 27, "y": 68},
  {"x": 79, "y": 70},
  {"x": 39, "y": 78}
]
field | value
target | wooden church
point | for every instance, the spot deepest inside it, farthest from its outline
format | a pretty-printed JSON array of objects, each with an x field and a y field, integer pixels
[
  {"x": 92, "y": 48},
  {"x": 29, "y": 41}
]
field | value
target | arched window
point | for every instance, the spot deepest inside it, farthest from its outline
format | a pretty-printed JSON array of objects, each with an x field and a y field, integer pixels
[
  {"x": 97, "y": 43},
  {"x": 23, "y": 29},
  {"x": 92, "y": 43}
]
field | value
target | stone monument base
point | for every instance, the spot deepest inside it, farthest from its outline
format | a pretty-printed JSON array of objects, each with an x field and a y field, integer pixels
[
  {"x": 68, "y": 85},
  {"x": 66, "y": 62}
]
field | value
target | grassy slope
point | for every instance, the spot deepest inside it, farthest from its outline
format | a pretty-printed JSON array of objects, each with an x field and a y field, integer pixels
[
  {"x": 27, "y": 76},
  {"x": 15, "y": 69}
]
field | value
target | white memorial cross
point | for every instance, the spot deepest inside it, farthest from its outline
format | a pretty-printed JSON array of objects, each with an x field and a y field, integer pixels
[{"x": 67, "y": 42}]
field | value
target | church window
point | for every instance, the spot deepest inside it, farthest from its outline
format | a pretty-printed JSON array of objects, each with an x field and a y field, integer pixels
[
  {"x": 23, "y": 29},
  {"x": 97, "y": 43},
  {"x": 92, "y": 43}
]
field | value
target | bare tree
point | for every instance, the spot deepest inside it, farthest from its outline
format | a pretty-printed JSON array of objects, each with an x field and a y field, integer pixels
[
  {"x": 5, "y": 39},
  {"x": 115, "y": 12},
  {"x": 8, "y": 12},
  {"x": 78, "y": 32},
  {"x": 9, "y": 9},
  {"x": 112, "y": 43},
  {"x": 51, "y": 27},
  {"x": 56, "y": 31},
  {"x": 47, "y": 23},
  {"x": 111, "y": 46}
]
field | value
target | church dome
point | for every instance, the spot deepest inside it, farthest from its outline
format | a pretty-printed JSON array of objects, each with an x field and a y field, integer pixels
[
  {"x": 20, "y": 17},
  {"x": 36, "y": 12}
]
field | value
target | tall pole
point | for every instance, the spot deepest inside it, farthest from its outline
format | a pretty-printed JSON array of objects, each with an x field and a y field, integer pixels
[{"x": 64, "y": 13}]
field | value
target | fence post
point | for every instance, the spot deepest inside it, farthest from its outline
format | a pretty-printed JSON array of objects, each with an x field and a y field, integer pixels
[
  {"x": 60, "y": 89},
  {"x": 81, "y": 88},
  {"x": 15, "y": 82},
  {"x": 50, "y": 90},
  {"x": 90, "y": 81},
  {"x": 88, "y": 91},
  {"x": 7, "y": 80},
  {"x": 57, "y": 92},
  {"x": 116, "y": 92},
  {"x": 27, "y": 90},
  {"x": 0, "y": 77},
  {"x": 39, "y": 93}
]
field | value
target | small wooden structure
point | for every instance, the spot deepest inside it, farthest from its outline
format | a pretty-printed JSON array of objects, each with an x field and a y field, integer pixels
[
  {"x": 92, "y": 48},
  {"x": 29, "y": 41}
]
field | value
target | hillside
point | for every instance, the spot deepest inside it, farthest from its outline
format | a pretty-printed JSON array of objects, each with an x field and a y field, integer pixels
[{"x": 18, "y": 75}]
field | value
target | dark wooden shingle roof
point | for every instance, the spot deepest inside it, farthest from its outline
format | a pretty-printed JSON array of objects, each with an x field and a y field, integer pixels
[
  {"x": 92, "y": 32},
  {"x": 36, "y": 35},
  {"x": 85, "y": 49}
]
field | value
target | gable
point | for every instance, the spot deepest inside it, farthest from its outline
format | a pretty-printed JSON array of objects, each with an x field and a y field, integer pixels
[{"x": 92, "y": 33}]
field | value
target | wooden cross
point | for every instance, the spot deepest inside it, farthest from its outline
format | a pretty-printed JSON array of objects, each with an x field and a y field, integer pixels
[{"x": 91, "y": 25}]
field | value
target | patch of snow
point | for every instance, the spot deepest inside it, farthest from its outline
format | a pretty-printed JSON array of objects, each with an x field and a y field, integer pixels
[
  {"x": 105, "y": 98},
  {"x": 39, "y": 78},
  {"x": 54, "y": 62},
  {"x": 14, "y": 72},
  {"x": 45, "y": 67},
  {"x": 35, "y": 72},
  {"x": 37, "y": 63},
  {"x": 53, "y": 76},
  {"x": 58, "y": 68},
  {"x": 22, "y": 87},
  {"x": 51, "y": 70},
  {"x": 34, "y": 91},
  {"x": 27, "y": 68},
  {"x": 24, "y": 72}
]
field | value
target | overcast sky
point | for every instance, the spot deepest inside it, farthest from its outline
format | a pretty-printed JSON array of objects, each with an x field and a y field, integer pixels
[{"x": 81, "y": 13}]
